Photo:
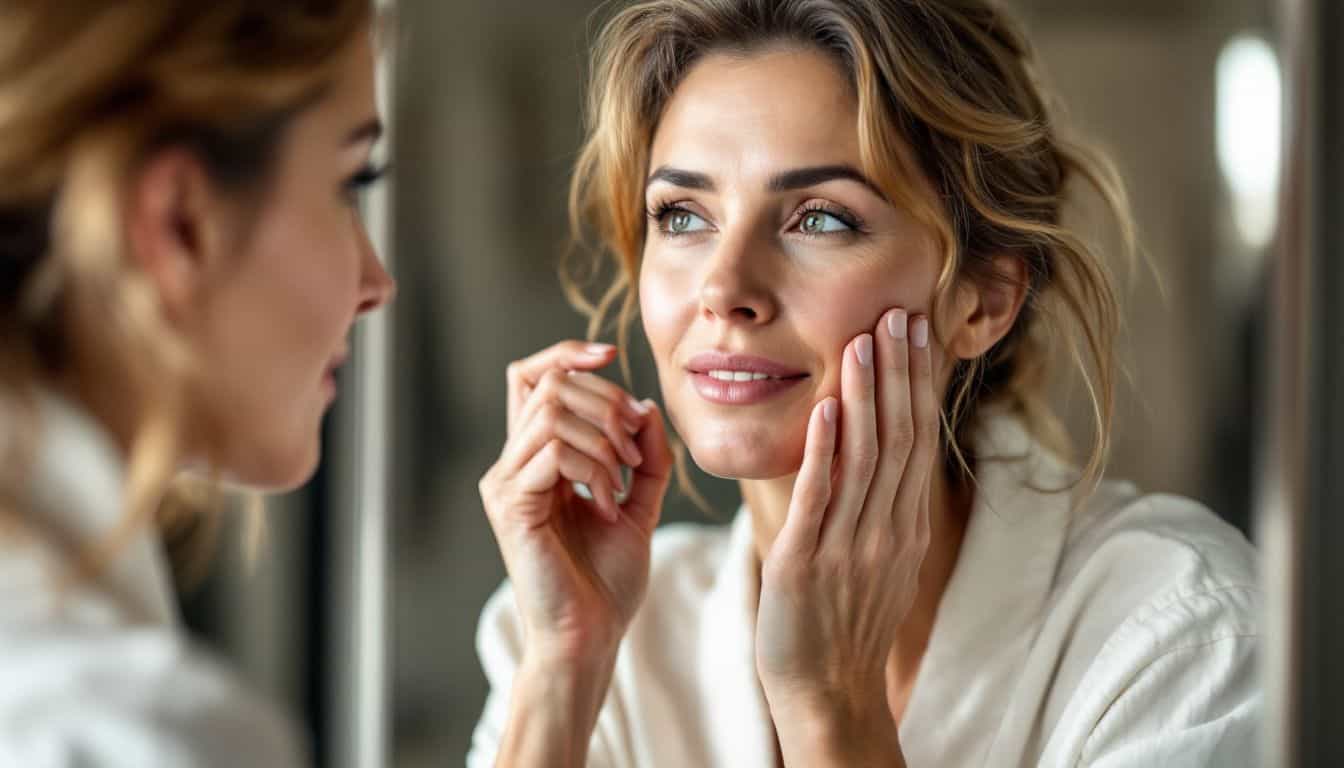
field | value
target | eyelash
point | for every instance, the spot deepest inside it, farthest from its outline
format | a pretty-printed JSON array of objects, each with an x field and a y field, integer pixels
[
  {"x": 845, "y": 216},
  {"x": 363, "y": 179},
  {"x": 658, "y": 215},
  {"x": 659, "y": 212}
]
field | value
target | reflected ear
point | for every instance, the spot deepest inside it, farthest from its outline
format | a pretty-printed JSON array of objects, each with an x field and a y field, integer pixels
[
  {"x": 987, "y": 309},
  {"x": 170, "y": 212}
]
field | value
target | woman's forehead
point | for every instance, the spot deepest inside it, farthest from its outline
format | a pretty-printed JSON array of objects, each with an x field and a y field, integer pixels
[{"x": 789, "y": 107}]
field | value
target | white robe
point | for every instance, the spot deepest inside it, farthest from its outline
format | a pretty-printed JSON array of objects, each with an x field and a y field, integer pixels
[
  {"x": 1120, "y": 635},
  {"x": 102, "y": 675}
]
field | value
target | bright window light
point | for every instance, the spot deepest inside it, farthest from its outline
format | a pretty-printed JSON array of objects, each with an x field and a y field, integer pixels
[{"x": 1248, "y": 125}]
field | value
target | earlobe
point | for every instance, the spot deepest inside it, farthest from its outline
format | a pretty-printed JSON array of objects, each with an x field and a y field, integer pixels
[
  {"x": 166, "y": 222},
  {"x": 988, "y": 309}
]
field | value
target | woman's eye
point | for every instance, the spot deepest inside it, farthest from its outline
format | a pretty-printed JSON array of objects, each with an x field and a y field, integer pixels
[
  {"x": 362, "y": 180},
  {"x": 680, "y": 222},
  {"x": 821, "y": 222}
]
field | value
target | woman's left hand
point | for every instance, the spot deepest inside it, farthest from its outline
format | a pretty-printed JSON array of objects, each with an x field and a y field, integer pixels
[{"x": 844, "y": 570}]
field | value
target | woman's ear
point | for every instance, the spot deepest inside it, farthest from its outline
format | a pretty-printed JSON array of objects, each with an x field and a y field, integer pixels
[
  {"x": 986, "y": 309},
  {"x": 171, "y": 224}
]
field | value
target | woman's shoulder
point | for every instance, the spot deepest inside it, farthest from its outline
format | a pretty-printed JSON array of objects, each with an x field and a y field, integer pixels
[
  {"x": 1148, "y": 577},
  {"x": 1170, "y": 547},
  {"x": 86, "y": 677},
  {"x": 1150, "y": 632}
]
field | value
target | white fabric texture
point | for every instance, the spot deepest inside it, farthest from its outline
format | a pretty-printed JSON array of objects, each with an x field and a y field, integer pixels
[
  {"x": 1120, "y": 634},
  {"x": 102, "y": 675}
]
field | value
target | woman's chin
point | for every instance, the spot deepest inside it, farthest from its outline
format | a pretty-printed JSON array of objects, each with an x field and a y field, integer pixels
[
  {"x": 280, "y": 470},
  {"x": 736, "y": 462}
]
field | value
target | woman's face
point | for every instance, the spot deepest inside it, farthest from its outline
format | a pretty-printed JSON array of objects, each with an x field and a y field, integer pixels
[
  {"x": 273, "y": 325},
  {"x": 767, "y": 252}
]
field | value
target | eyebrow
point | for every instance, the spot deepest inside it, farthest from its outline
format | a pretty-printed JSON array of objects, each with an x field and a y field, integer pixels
[
  {"x": 371, "y": 130},
  {"x": 784, "y": 181},
  {"x": 801, "y": 178},
  {"x": 679, "y": 178}
]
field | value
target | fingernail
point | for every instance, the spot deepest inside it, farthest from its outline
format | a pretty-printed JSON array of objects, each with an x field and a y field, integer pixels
[
  {"x": 828, "y": 411},
  {"x": 632, "y": 453},
  {"x": 598, "y": 350},
  {"x": 863, "y": 349},
  {"x": 896, "y": 324},
  {"x": 607, "y": 506},
  {"x": 640, "y": 408},
  {"x": 919, "y": 332}
]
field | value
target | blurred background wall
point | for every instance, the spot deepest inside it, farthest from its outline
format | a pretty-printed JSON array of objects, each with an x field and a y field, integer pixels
[{"x": 488, "y": 121}]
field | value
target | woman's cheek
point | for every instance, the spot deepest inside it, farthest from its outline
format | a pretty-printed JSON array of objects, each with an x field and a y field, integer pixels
[{"x": 663, "y": 306}]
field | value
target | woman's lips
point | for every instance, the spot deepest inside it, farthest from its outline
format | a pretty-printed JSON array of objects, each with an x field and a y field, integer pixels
[
  {"x": 329, "y": 376},
  {"x": 728, "y": 379}
]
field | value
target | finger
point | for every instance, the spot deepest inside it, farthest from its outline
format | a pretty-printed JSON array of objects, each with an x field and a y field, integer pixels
[
  {"x": 604, "y": 412},
  {"x": 812, "y": 487},
  {"x": 607, "y": 392},
  {"x": 924, "y": 404},
  {"x": 858, "y": 451},
  {"x": 923, "y": 531},
  {"x": 522, "y": 375},
  {"x": 558, "y": 461},
  {"x": 649, "y": 483},
  {"x": 556, "y": 422},
  {"x": 607, "y": 405},
  {"x": 895, "y": 420}
]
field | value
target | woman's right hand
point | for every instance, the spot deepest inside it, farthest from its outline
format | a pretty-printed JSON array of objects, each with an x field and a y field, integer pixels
[{"x": 579, "y": 567}]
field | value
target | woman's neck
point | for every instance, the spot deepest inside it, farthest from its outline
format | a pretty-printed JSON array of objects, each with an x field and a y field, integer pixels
[{"x": 949, "y": 511}]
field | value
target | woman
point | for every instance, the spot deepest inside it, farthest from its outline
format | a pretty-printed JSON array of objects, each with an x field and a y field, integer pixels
[
  {"x": 181, "y": 261},
  {"x": 842, "y": 220}
]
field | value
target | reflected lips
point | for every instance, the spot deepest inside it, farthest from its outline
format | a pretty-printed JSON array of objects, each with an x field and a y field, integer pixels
[
  {"x": 329, "y": 376},
  {"x": 728, "y": 379}
]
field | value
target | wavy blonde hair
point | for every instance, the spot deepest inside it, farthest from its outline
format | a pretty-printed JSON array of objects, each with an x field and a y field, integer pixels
[
  {"x": 946, "y": 91},
  {"x": 89, "y": 89}
]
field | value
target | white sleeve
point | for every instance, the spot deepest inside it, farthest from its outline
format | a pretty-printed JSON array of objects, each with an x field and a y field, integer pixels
[
  {"x": 499, "y": 643},
  {"x": 141, "y": 698},
  {"x": 1198, "y": 704}
]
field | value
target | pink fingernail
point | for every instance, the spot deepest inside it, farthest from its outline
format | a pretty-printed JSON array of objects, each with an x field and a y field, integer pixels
[
  {"x": 919, "y": 332},
  {"x": 598, "y": 350},
  {"x": 640, "y": 408},
  {"x": 828, "y": 411},
  {"x": 896, "y": 324},
  {"x": 863, "y": 349}
]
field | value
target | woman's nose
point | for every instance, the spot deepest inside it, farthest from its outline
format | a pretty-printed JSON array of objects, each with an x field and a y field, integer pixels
[
  {"x": 735, "y": 288},
  {"x": 376, "y": 286}
]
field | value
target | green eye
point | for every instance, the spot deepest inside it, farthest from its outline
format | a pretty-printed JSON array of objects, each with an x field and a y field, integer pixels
[
  {"x": 682, "y": 222},
  {"x": 820, "y": 222}
]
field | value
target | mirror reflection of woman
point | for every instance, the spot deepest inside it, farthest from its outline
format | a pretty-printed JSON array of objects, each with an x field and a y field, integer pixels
[
  {"x": 181, "y": 261},
  {"x": 839, "y": 221}
]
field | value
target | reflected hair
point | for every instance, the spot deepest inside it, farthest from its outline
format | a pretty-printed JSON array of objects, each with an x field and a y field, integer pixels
[
  {"x": 90, "y": 90},
  {"x": 946, "y": 92}
]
